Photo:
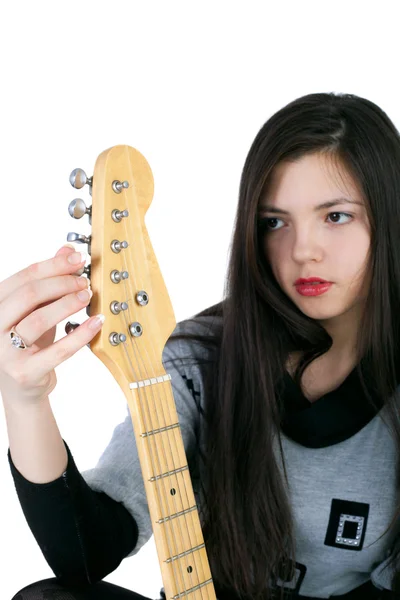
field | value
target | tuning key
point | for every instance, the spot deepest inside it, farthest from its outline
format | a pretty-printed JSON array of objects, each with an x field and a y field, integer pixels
[
  {"x": 118, "y": 186},
  {"x": 117, "y": 276},
  {"x": 77, "y": 209},
  {"x": 78, "y": 179},
  {"x": 79, "y": 238},
  {"x": 71, "y": 326}
]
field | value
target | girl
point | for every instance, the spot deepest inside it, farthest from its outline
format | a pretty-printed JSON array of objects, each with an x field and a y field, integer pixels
[{"x": 286, "y": 390}]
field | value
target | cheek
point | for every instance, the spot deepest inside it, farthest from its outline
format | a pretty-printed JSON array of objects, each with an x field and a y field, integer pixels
[{"x": 353, "y": 257}]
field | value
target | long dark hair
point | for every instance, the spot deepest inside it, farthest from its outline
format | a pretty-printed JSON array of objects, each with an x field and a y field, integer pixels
[{"x": 248, "y": 529}]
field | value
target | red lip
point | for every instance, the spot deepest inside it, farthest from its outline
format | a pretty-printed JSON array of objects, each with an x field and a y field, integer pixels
[{"x": 309, "y": 280}]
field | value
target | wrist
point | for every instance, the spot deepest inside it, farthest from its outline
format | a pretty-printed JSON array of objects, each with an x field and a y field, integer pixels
[{"x": 17, "y": 402}]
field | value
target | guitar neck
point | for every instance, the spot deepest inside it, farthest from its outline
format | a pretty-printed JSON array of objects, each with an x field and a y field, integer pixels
[{"x": 175, "y": 519}]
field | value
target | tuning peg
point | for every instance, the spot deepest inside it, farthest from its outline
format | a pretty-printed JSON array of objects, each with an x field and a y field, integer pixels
[
  {"x": 71, "y": 326},
  {"x": 78, "y": 179},
  {"x": 77, "y": 209},
  {"x": 79, "y": 238},
  {"x": 118, "y": 215},
  {"x": 118, "y": 186}
]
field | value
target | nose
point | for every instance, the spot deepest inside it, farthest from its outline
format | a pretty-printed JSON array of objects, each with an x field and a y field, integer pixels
[{"x": 307, "y": 246}]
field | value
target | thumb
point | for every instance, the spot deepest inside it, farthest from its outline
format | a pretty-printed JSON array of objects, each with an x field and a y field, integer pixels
[{"x": 68, "y": 249}]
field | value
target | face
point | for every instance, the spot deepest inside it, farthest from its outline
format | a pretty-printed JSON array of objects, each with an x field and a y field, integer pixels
[{"x": 323, "y": 243}]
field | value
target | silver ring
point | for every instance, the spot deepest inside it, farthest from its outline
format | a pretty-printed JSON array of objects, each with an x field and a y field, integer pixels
[{"x": 17, "y": 341}]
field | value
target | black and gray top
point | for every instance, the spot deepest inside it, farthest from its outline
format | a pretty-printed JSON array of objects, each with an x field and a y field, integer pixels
[{"x": 341, "y": 463}]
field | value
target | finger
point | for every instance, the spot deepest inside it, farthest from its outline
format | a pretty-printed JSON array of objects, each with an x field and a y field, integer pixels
[
  {"x": 64, "y": 251},
  {"x": 34, "y": 325},
  {"x": 57, "y": 265},
  {"x": 47, "y": 281},
  {"x": 49, "y": 358},
  {"x": 69, "y": 249}
]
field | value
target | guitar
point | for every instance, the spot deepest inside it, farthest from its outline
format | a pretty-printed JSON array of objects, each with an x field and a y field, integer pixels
[{"x": 129, "y": 289}]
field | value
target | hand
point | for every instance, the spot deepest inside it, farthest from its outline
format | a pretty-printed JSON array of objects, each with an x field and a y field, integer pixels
[{"x": 34, "y": 300}]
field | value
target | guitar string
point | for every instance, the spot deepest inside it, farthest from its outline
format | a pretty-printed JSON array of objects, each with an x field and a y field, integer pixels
[
  {"x": 164, "y": 510},
  {"x": 181, "y": 474},
  {"x": 166, "y": 461},
  {"x": 168, "y": 468}
]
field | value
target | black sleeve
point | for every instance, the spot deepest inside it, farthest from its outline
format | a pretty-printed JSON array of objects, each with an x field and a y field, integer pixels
[{"x": 84, "y": 535}]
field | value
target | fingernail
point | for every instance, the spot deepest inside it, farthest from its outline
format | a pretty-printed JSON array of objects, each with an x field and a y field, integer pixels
[
  {"x": 84, "y": 295},
  {"x": 69, "y": 246},
  {"x": 97, "y": 321},
  {"x": 77, "y": 257}
]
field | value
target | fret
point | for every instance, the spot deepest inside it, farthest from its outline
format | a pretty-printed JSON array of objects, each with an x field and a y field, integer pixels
[
  {"x": 168, "y": 473},
  {"x": 178, "y": 514},
  {"x": 168, "y": 560},
  {"x": 193, "y": 589},
  {"x": 160, "y": 430},
  {"x": 145, "y": 382}
]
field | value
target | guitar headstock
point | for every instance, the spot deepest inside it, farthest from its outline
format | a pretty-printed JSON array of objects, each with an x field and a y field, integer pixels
[{"x": 126, "y": 280}]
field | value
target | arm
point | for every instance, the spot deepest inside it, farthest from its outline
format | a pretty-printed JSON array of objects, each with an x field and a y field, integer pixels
[{"x": 83, "y": 535}]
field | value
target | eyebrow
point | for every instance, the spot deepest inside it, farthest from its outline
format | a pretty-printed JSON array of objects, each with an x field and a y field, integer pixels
[{"x": 329, "y": 204}]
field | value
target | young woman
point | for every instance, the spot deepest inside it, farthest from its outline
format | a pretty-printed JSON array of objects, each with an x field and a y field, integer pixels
[{"x": 286, "y": 390}]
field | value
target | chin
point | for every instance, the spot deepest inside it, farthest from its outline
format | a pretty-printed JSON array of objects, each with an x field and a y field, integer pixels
[
  {"x": 319, "y": 315},
  {"x": 317, "y": 308}
]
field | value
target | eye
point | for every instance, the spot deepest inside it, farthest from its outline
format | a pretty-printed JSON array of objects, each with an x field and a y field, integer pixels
[
  {"x": 341, "y": 213},
  {"x": 265, "y": 223}
]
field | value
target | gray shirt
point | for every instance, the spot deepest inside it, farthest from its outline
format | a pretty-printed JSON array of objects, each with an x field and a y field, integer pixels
[{"x": 343, "y": 494}]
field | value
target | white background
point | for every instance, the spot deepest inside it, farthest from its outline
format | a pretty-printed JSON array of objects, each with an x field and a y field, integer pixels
[{"x": 188, "y": 84}]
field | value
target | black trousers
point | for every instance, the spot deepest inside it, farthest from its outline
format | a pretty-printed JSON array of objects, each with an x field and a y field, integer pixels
[{"x": 51, "y": 589}]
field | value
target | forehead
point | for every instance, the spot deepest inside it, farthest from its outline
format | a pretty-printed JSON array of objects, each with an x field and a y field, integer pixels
[{"x": 309, "y": 180}]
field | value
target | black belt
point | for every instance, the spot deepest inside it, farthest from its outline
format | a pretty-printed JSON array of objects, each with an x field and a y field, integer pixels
[{"x": 366, "y": 591}]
